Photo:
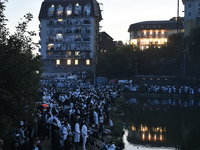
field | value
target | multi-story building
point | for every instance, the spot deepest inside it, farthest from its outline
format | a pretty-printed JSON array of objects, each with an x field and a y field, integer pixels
[
  {"x": 153, "y": 33},
  {"x": 69, "y": 32},
  {"x": 105, "y": 42},
  {"x": 192, "y": 14}
]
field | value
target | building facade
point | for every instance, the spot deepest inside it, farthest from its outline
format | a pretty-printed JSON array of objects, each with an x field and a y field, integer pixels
[
  {"x": 192, "y": 14},
  {"x": 153, "y": 33},
  {"x": 69, "y": 34},
  {"x": 106, "y": 41}
]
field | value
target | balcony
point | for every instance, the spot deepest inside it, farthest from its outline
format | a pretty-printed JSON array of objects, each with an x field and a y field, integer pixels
[
  {"x": 86, "y": 22},
  {"x": 77, "y": 31},
  {"x": 50, "y": 23},
  {"x": 86, "y": 39},
  {"x": 68, "y": 31}
]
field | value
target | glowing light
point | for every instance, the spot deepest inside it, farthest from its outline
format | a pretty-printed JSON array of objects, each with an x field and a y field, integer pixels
[
  {"x": 143, "y": 136},
  {"x": 151, "y": 31},
  {"x": 149, "y": 137},
  {"x": 69, "y": 62},
  {"x": 76, "y": 62},
  {"x": 58, "y": 62},
  {"x": 155, "y": 138},
  {"x": 133, "y": 128},
  {"x": 161, "y": 138},
  {"x": 87, "y": 62},
  {"x": 145, "y": 32}
]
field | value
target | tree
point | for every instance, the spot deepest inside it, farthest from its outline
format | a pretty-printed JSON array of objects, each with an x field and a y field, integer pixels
[
  {"x": 192, "y": 50},
  {"x": 19, "y": 75}
]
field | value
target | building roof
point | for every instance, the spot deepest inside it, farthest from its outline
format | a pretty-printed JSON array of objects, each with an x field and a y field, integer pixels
[
  {"x": 155, "y": 25},
  {"x": 106, "y": 34},
  {"x": 95, "y": 9}
]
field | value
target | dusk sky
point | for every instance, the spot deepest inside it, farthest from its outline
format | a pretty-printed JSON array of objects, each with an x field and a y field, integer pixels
[{"x": 117, "y": 14}]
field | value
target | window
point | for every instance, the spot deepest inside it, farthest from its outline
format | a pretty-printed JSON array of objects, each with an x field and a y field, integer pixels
[
  {"x": 58, "y": 62},
  {"x": 69, "y": 62},
  {"x": 76, "y": 62},
  {"x": 59, "y": 37},
  {"x": 60, "y": 11},
  {"x": 77, "y": 4},
  {"x": 189, "y": 14},
  {"x": 77, "y": 53},
  {"x": 69, "y": 10},
  {"x": 50, "y": 47},
  {"x": 68, "y": 54},
  {"x": 87, "y": 9},
  {"x": 87, "y": 62},
  {"x": 199, "y": 4},
  {"x": 189, "y": 5},
  {"x": 51, "y": 11},
  {"x": 77, "y": 9}
]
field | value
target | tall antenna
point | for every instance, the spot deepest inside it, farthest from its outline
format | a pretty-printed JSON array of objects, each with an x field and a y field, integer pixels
[
  {"x": 178, "y": 16},
  {"x": 178, "y": 9}
]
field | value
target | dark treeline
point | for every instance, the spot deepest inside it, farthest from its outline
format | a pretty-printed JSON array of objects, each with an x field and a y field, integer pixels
[{"x": 127, "y": 60}]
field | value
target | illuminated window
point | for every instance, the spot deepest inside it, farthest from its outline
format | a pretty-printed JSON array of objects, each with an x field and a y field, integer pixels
[
  {"x": 68, "y": 54},
  {"x": 50, "y": 46},
  {"x": 147, "y": 47},
  {"x": 77, "y": 4},
  {"x": 104, "y": 51},
  {"x": 151, "y": 78},
  {"x": 87, "y": 62},
  {"x": 101, "y": 51},
  {"x": 69, "y": 10},
  {"x": 69, "y": 62},
  {"x": 60, "y": 21},
  {"x": 58, "y": 62},
  {"x": 59, "y": 37},
  {"x": 76, "y": 62},
  {"x": 77, "y": 53},
  {"x": 60, "y": 11}
]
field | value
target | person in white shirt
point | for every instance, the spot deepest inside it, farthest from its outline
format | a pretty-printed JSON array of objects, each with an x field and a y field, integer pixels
[
  {"x": 77, "y": 134},
  {"x": 64, "y": 133},
  {"x": 84, "y": 133}
]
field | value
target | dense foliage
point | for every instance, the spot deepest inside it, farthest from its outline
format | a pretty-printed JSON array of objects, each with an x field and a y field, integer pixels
[
  {"x": 126, "y": 61},
  {"x": 19, "y": 75}
]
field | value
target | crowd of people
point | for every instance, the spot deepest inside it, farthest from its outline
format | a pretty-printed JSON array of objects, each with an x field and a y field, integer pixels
[{"x": 71, "y": 117}]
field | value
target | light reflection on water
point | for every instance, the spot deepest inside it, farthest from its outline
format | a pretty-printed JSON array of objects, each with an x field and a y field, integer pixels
[{"x": 129, "y": 146}]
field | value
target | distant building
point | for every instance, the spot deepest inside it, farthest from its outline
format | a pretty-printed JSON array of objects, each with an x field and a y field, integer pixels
[
  {"x": 69, "y": 34},
  {"x": 192, "y": 14},
  {"x": 105, "y": 42},
  {"x": 153, "y": 33}
]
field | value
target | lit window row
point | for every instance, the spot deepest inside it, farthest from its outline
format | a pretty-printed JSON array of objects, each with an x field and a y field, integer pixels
[
  {"x": 76, "y": 62},
  {"x": 77, "y": 10}
]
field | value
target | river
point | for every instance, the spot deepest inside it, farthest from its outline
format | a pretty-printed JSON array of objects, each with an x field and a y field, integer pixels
[{"x": 161, "y": 123}]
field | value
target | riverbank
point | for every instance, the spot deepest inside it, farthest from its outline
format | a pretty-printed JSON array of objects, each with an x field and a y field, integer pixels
[{"x": 160, "y": 95}]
